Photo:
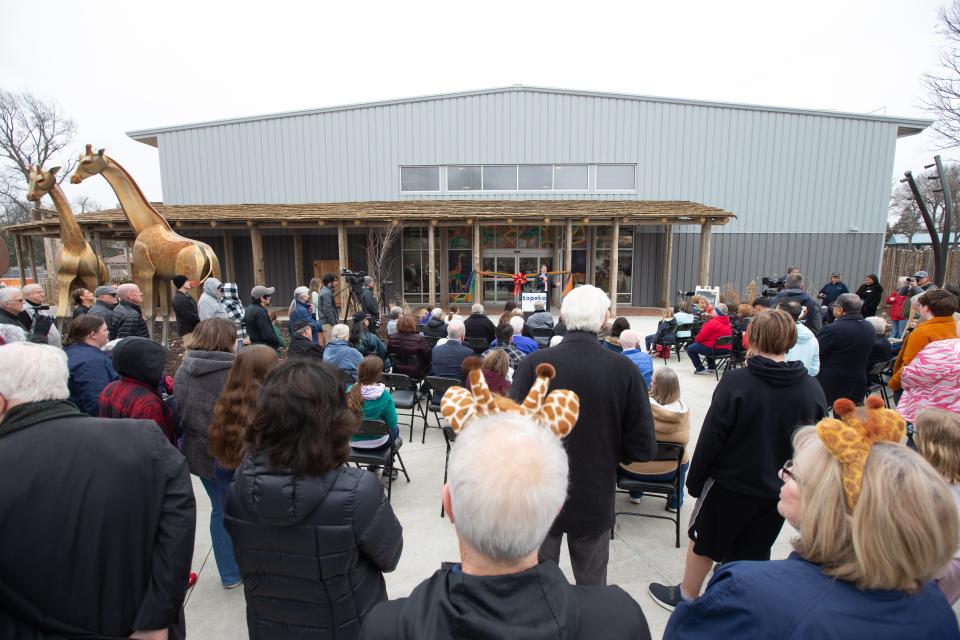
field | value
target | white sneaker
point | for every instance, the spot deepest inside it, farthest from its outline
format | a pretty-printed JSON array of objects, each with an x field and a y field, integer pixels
[{"x": 635, "y": 500}]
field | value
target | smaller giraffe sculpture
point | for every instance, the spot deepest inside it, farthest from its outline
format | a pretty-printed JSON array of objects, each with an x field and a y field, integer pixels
[{"x": 76, "y": 263}]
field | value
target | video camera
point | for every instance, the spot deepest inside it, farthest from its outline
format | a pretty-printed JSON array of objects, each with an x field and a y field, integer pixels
[
  {"x": 354, "y": 278},
  {"x": 773, "y": 286}
]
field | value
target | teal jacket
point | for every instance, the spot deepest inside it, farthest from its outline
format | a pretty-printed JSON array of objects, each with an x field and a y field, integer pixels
[{"x": 381, "y": 408}]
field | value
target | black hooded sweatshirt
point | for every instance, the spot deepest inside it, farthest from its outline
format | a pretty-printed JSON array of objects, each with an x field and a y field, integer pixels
[
  {"x": 746, "y": 435},
  {"x": 534, "y": 604}
]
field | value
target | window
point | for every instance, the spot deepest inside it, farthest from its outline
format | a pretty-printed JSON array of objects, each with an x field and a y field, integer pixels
[
  {"x": 616, "y": 177},
  {"x": 536, "y": 177},
  {"x": 570, "y": 177},
  {"x": 602, "y": 238},
  {"x": 419, "y": 178},
  {"x": 500, "y": 178},
  {"x": 460, "y": 178},
  {"x": 415, "y": 263}
]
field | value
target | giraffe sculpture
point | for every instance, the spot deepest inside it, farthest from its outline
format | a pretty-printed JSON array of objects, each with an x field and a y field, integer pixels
[
  {"x": 159, "y": 253},
  {"x": 77, "y": 265}
]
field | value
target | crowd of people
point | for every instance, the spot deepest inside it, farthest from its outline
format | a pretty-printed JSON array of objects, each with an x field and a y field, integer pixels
[{"x": 102, "y": 443}]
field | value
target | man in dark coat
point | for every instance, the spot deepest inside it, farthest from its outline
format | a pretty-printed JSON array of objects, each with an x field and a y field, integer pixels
[
  {"x": 448, "y": 357},
  {"x": 616, "y": 425},
  {"x": 98, "y": 529},
  {"x": 185, "y": 308},
  {"x": 327, "y": 314},
  {"x": 12, "y": 313},
  {"x": 127, "y": 317},
  {"x": 830, "y": 292},
  {"x": 500, "y": 589},
  {"x": 478, "y": 325},
  {"x": 106, "y": 296},
  {"x": 301, "y": 342},
  {"x": 369, "y": 302},
  {"x": 845, "y": 346},
  {"x": 259, "y": 328},
  {"x": 794, "y": 290}
]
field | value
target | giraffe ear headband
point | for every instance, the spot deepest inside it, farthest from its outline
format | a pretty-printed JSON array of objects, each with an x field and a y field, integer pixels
[
  {"x": 850, "y": 438},
  {"x": 557, "y": 410}
]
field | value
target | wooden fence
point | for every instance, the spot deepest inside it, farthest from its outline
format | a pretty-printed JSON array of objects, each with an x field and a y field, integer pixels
[{"x": 900, "y": 261}]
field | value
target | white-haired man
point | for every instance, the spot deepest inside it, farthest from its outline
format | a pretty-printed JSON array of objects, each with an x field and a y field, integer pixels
[
  {"x": 112, "y": 579},
  {"x": 500, "y": 589},
  {"x": 340, "y": 353},
  {"x": 628, "y": 341},
  {"x": 615, "y": 425},
  {"x": 12, "y": 313},
  {"x": 127, "y": 316},
  {"x": 34, "y": 298},
  {"x": 448, "y": 357},
  {"x": 478, "y": 325}
]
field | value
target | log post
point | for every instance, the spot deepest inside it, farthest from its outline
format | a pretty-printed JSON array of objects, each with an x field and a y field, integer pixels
[
  {"x": 705, "y": 234},
  {"x": 431, "y": 264},
  {"x": 256, "y": 244},
  {"x": 33, "y": 261},
  {"x": 229, "y": 262},
  {"x": 667, "y": 262},
  {"x": 342, "y": 256},
  {"x": 98, "y": 244},
  {"x": 614, "y": 264},
  {"x": 298, "y": 258},
  {"x": 477, "y": 280},
  {"x": 568, "y": 254},
  {"x": 18, "y": 249}
]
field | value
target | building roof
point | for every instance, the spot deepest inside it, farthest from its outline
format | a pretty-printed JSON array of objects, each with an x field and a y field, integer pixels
[
  {"x": 905, "y": 126},
  {"x": 917, "y": 238},
  {"x": 447, "y": 212}
]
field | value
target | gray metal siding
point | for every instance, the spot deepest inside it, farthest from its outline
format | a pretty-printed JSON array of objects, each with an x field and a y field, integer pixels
[{"x": 778, "y": 171}]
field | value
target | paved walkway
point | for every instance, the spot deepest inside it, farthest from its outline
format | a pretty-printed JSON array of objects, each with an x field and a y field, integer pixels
[{"x": 642, "y": 551}]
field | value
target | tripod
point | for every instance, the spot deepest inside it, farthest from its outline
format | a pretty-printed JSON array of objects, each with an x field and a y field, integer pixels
[{"x": 354, "y": 305}]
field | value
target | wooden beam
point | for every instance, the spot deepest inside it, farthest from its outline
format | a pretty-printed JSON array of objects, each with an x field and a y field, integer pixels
[
  {"x": 431, "y": 266},
  {"x": 342, "y": 256},
  {"x": 33, "y": 261},
  {"x": 614, "y": 264},
  {"x": 666, "y": 294},
  {"x": 18, "y": 249},
  {"x": 98, "y": 244},
  {"x": 259, "y": 268},
  {"x": 705, "y": 235},
  {"x": 568, "y": 252},
  {"x": 298, "y": 257},
  {"x": 477, "y": 280},
  {"x": 229, "y": 263}
]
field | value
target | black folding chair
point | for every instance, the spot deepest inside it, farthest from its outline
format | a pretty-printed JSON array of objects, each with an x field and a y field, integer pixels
[
  {"x": 431, "y": 340},
  {"x": 721, "y": 356},
  {"x": 665, "y": 340},
  {"x": 436, "y": 386},
  {"x": 542, "y": 336},
  {"x": 738, "y": 355},
  {"x": 381, "y": 456},
  {"x": 682, "y": 342},
  {"x": 666, "y": 451},
  {"x": 345, "y": 377},
  {"x": 405, "y": 392},
  {"x": 449, "y": 437},
  {"x": 478, "y": 344},
  {"x": 409, "y": 361},
  {"x": 877, "y": 378}
]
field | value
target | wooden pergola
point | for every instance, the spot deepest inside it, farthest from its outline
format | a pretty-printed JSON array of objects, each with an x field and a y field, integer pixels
[{"x": 112, "y": 224}]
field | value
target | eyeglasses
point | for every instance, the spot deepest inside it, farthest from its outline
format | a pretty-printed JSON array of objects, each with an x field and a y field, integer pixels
[{"x": 786, "y": 471}]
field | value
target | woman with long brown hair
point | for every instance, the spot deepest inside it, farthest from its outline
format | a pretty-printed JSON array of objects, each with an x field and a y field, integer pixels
[
  {"x": 371, "y": 400},
  {"x": 234, "y": 410}
]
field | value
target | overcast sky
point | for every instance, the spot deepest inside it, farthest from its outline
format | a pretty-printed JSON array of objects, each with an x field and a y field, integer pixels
[{"x": 120, "y": 66}]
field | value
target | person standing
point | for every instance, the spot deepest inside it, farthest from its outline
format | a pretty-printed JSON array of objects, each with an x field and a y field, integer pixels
[
  {"x": 328, "y": 314},
  {"x": 98, "y": 528},
  {"x": 845, "y": 346},
  {"x": 871, "y": 293},
  {"x": 259, "y": 328},
  {"x": 616, "y": 425},
  {"x": 34, "y": 297},
  {"x": 368, "y": 302},
  {"x": 937, "y": 307},
  {"x": 235, "y": 312},
  {"x": 794, "y": 290},
  {"x": 198, "y": 384},
  {"x": 897, "y": 304},
  {"x": 210, "y": 305},
  {"x": 545, "y": 284},
  {"x": 12, "y": 313},
  {"x": 106, "y": 296},
  {"x": 91, "y": 369},
  {"x": 744, "y": 441},
  {"x": 82, "y": 301},
  {"x": 127, "y": 319},
  {"x": 830, "y": 292},
  {"x": 185, "y": 309},
  {"x": 300, "y": 310}
]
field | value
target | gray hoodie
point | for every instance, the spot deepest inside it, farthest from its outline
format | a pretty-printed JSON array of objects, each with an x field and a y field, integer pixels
[
  {"x": 210, "y": 305},
  {"x": 197, "y": 384}
]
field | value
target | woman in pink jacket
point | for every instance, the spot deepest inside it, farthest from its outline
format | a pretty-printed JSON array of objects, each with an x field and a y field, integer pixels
[{"x": 932, "y": 379}]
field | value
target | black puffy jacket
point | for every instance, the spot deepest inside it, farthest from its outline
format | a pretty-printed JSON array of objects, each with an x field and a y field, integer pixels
[
  {"x": 311, "y": 550},
  {"x": 127, "y": 320}
]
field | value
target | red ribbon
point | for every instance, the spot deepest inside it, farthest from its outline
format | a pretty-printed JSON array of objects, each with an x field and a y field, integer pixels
[{"x": 519, "y": 279}]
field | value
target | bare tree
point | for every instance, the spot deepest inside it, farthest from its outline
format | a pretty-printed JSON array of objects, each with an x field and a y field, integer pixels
[
  {"x": 904, "y": 214},
  {"x": 943, "y": 87},
  {"x": 85, "y": 204},
  {"x": 32, "y": 131},
  {"x": 379, "y": 242}
]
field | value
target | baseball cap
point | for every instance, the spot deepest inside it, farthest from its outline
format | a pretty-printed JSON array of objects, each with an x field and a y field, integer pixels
[
  {"x": 360, "y": 316},
  {"x": 259, "y": 291},
  {"x": 835, "y": 274},
  {"x": 105, "y": 290},
  {"x": 299, "y": 325},
  {"x": 921, "y": 274}
]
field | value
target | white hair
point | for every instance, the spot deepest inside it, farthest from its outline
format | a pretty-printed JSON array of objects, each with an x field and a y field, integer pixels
[
  {"x": 517, "y": 323},
  {"x": 30, "y": 288},
  {"x": 585, "y": 308},
  {"x": 555, "y": 340},
  {"x": 340, "y": 332},
  {"x": 395, "y": 312},
  {"x": 12, "y": 333},
  {"x": 436, "y": 313},
  {"x": 45, "y": 378},
  {"x": 300, "y": 292},
  {"x": 456, "y": 330},
  {"x": 7, "y": 294},
  {"x": 476, "y": 308},
  {"x": 879, "y": 324},
  {"x": 506, "y": 515},
  {"x": 628, "y": 339}
]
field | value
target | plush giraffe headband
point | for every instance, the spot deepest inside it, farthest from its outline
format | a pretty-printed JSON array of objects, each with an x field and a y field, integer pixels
[
  {"x": 850, "y": 438},
  {"x": 557, "y": 410}
]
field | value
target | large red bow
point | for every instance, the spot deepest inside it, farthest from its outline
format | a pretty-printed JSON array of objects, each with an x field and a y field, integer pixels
[{"x": 519, "y": 279}]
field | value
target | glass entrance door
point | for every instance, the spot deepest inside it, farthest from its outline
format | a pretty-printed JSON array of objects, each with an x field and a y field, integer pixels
[{"x": 499, "y": 289}]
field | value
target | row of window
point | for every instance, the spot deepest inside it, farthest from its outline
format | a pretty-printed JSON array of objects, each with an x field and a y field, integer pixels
[{"x": 519, "y": 177}]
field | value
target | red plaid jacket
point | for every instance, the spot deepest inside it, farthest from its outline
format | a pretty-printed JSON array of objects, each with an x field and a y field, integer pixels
[{"x": 129, "y": 398}]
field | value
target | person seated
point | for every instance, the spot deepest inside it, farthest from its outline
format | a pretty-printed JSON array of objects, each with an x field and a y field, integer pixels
[
  {"x": 500, "y": 589},
  {"x": 612, "y": 341},
  {"x": 364, "y": 340},
  {"x": 706, "y": 343},
  {"x": 371, "y": 400},
  {"x": 683, "y": 315},
  {"x": 938, "y": 440},
  {"x": 504, "y": 342},
  {"x": 91, "y": 369},
  {"x": 664, "y": 328},
  {"x": 301, "y": 341},
  {"x": 340, "y": 354},
  {"x": 140, "y": 363},
  {"x": 760, "y": 304},
  {"x": 435, "y": 327},
  {"x": 523, "y": 343},
  {"x": 701, "y": 308},
  {"x": 671, "y": 419},
  {"x": 407, "y": 342},
  {"x": 876, "y": 523},
  {"x": 628, "y": 340},
  {"x": 931, "y": 380},
  {"x": 495, "y": 368},
  {"x": 395, "y": 313},
  {"x": 742, "y": 319},
  {"x": 449, "y": 356},
  {"x": 806, "y": 350},
  {"x": 508, "y": 308},
  {"x": 453, "y": 313},
  {"x": 540, "y": 319},
  {"x": 478, "y": 325},
  {"x": 295, "y": 506},
  {"x": 881, "y": 351}
]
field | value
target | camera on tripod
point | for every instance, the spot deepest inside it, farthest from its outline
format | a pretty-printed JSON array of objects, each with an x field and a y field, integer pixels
[
  {"x": 773, "y": 285},
  {"x": 354, "y": 278}
]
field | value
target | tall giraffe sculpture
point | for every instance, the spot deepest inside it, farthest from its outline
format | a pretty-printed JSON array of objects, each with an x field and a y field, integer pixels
[
  {"x": 77, "y": 265},
  {"x": 159, "y": 253}
]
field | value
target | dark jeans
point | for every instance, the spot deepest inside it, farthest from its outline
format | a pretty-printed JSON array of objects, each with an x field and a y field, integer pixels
[
  {"x": 695, "y": 350},
  {"x": 649, "y": 341},
  {"x": 588, "y": 555},
  {"x": 675, "y": 501}
]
